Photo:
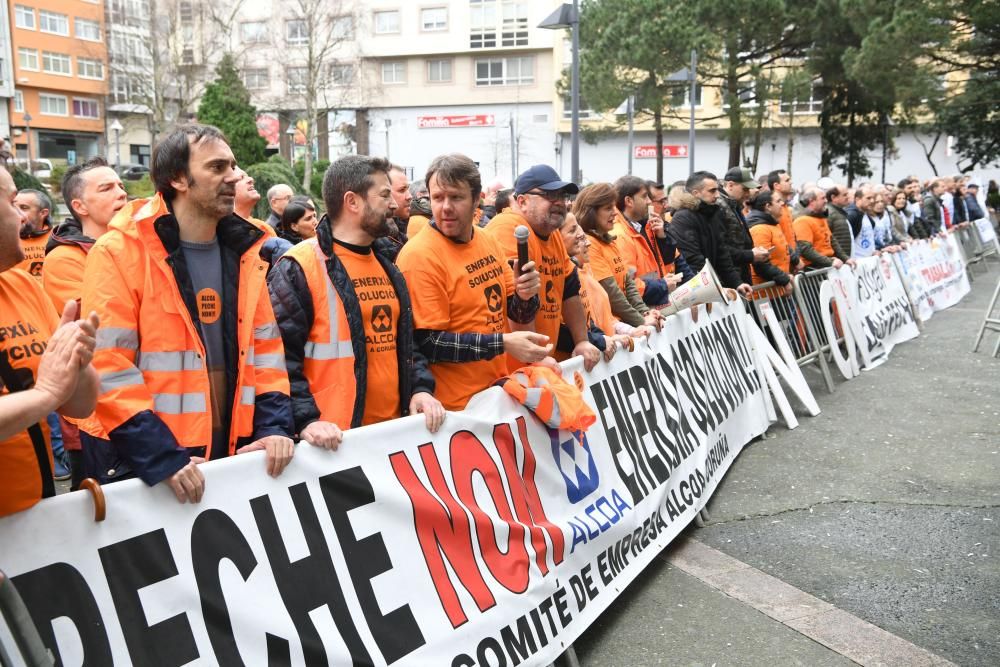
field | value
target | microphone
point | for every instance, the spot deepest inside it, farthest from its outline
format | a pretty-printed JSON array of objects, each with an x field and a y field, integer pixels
[{"x": 521, "y": 233}]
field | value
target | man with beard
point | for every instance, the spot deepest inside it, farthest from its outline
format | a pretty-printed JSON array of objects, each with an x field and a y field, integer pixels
[
  {"x": 36, "y": 227},
  {"x": 94, "y": 194},
  {"x": 817, "y": 244},
  {"x": 468, "y": 307},
  {"x": 539, "y": 204},
  {"x": 698, "y": 229},
  {"x": 345, "y": 315},
  {"x": 190, "y": 357}
]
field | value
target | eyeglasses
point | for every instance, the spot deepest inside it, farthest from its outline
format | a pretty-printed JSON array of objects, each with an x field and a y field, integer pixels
[{"x": 553, "y": 196}]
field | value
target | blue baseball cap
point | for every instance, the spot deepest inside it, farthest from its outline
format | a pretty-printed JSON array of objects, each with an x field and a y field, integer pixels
[{"x": 543, "y": 177}]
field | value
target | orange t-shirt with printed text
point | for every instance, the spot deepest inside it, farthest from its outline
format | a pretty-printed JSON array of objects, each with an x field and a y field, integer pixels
[
  {"x": 815, "y": 231},
  {"x": 459, "y": 288},
  {"x": 380, "y": 314},
  {"x": 34, "y": 254},
  {"x": 606, "y": 261},
  {"x": 551, "y": 261},
  {"x": 28, "y": 321}
]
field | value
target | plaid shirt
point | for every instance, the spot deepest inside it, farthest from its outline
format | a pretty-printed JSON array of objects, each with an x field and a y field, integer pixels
[{"x": 458, "y": 347}]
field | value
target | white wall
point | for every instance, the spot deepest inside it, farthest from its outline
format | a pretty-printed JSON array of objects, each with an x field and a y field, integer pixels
[{"x": 409, "y": 146}]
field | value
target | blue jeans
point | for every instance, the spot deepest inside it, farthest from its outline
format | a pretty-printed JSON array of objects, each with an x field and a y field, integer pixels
[{"x": 55, "y": 438}]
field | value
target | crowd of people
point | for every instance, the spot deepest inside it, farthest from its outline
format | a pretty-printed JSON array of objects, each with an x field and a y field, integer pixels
[{"x": 143, "y": 338}]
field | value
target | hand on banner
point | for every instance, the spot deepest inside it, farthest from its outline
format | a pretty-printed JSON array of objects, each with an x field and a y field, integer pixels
[
  {"x": 528, "y": 283},
  {"x": 433, "y": 411},
  {"x": 551, "y": 364},
  {"x": 188, "y": 484},
  {"x": 323, "y": 434},
  {"x": 745, "y": 290},
  {"x": 526, "y": 346},
  {"x": 279, "y": 452},
  {"x": 653, "y": 318},
  {"x": 591, "y": 355},
  {"x": 673, "y": 280},
  {"x": 837, "y": 263},
  {"x": 641, "y": 331},
  {"x": 853, "y": 263},
  {"x": 610, "y": 347}
]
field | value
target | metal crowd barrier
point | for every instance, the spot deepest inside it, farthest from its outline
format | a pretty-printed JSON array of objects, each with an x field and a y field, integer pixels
[
  {"x": 991, "y": 322},
  {"x": 798, "y": 323},
  {"x": 987, "y": 248},
  {"x": 972, "y": 247},
  {"x": 18, "y": 621}
]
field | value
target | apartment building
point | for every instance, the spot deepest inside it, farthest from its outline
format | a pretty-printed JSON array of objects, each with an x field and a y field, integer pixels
[
  {"x": 60, "y": 78},
  {"x": 130, "y": 81},
  {"x": 6, "y": 73}
]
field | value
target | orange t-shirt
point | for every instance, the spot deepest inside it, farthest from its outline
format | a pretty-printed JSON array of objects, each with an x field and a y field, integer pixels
[
  {"x": 815, "y": 231},
  {"x": 767, "y": 236},
  {"x": 28, "y": 321},
  {"x": 606, "y": 261},
  {"x": 787, "y": 228},
  {"x": 596, "y": 301},
  {"x": 380, "y": 314},
  {"x": 459, "y": 288},
  {"x": 416, "y": 224},
  {"x": 62, "y": 275},
  {"x": 34, "y": 254},
  {"x": 551, "y": 260}
]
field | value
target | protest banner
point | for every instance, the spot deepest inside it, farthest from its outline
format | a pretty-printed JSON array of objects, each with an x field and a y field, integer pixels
[
  {"x": 495, "y": 541},
  {"x": 882, "y": 306},
  {"x": 934, "y": 274}
]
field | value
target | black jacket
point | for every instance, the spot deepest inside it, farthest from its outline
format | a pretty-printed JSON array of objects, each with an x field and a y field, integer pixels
[
  {"x": 699, "y": 234},
  {"x": 293, "y": 310},
  {"x": 765, "y": 269},
  {"x": 69, "y": 232},
  {"x": 737, "y": 235}
]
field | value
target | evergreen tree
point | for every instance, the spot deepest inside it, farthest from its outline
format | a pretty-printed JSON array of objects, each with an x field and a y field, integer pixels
[{"x": 226, "y": 105}]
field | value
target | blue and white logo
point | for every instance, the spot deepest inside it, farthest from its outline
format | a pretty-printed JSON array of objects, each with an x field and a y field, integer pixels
[{"x": 575, "y": 462}]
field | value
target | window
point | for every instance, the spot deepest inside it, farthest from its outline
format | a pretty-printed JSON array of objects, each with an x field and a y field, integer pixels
[
  {"x": 680, "y": 97},
  {"x": 745, "y": 91},
  {"x": 27, "y": 58},
  {"x": 340, "y": 74},
  {"x": 296, "y": 31},
  {"x": 53, "y": 105},
  {"x": 57, "y": 24},
  {"x": 386, "y": 22},
  {"x": 89, "y": 69},
  {"x": 812, "y": 103},
  {"x": 434, "y": 18},
  {"x": 253, "y": 32},
  {"x": 341, "y": 28},
  {"x": 490, "y": 19},
  {"x": 438, "y": 70},
  {"x": 296, "y": 79},
  {"x": 394, "y": 72},
  {"x": 18, "y": 101},
  {"x": 57, "y": 63},
  {"x": 257, "y": 79},
  {"x": 83, "y": 108},
  {"x": 505, "y": 71},
  {"x": 88, "y": 30},
  {"x": 24, "y": 17}
]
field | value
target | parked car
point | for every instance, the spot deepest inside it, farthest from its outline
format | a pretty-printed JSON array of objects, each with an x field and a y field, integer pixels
[
  {"x": 132, "y": 171},
  {"x": 40, "y": 168}
]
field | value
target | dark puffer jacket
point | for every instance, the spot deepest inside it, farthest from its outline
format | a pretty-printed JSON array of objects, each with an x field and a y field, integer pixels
[
  {"x": 293, "y": 310},
  {"x": 698, "y": 232},
  {"x": 737, "y": 235}
]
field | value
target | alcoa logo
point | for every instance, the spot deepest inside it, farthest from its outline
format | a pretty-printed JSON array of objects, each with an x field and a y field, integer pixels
[{"x": 575, "y": 463}]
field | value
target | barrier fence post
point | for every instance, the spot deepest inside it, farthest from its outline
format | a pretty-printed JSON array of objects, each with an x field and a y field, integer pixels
[
  {"x": 813, "y": 343},
  {"x": 988, "y": 242},
  {"x": 990, "y": 321}
]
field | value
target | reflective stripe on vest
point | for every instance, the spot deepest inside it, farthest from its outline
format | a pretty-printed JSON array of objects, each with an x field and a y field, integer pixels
[
  {"x": 112, "y": 337},
  {"x": 271, "y": 361},
  {"x": 248, "y": 395},
  {"x": 335, "y": 349},
  {"x": 267, "y": 332},
  {"x": 179, "y": 404},
  {"x": 130, "y": 377},
  {"x": 185, "y": 360}
]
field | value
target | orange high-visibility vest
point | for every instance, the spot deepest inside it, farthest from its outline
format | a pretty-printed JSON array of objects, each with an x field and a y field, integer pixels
[
  {"x": 149, "y": 354},
  {"x": 328, "y": 356},
  {"x": 553, "y": 400},
  {"x": 637, "y": 252}
]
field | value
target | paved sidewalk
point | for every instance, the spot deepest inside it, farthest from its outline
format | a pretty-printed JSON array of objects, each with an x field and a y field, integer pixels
[{"x": 886, "y": 507}]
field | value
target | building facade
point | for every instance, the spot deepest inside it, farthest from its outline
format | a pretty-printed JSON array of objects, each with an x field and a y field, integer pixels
[
  {"x": 130, "y": 89},
  {"x": 60, "y": 79}
]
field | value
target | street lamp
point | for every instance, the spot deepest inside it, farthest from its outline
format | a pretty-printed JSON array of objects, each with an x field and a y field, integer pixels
[
  {"x": 568, "y": 16},
  {"x": 691, "y": 76},
  {"x": 116, "y": 127},
  {"x": 290, "y": 133},
  {"x": 27, "y": 125}
]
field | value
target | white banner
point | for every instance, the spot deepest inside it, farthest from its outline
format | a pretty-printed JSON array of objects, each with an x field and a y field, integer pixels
[
  {"x": 934, "y": 274},
  {"x": 495, "y": 541},
  {"x": 986, "y": 232},
  {"x": 882, "y": 306}
]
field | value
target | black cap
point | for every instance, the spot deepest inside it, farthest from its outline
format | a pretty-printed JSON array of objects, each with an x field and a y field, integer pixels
[
  {"x": 742, "y": 176},
  {"x": 543, "y": 177}
]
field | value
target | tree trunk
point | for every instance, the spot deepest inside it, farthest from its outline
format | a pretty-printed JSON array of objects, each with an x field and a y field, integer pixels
[
  {"x": 791, "y": 137},
  {"x": 658, "y": 126},
  {"x": 735, "y": 108},
  {"x": 758, "y": 136},
  {"x": 850, "y": 151}
]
